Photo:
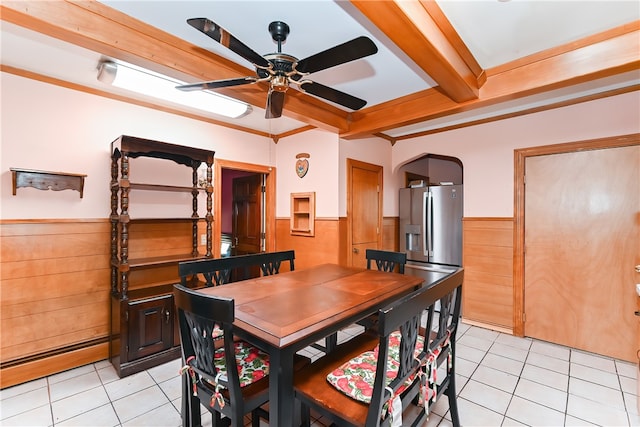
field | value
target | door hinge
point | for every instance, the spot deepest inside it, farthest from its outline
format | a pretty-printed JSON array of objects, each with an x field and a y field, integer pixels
[
  {"x": 127, "y": 347},
  {"x": 126, "y": 316},
  {"x": 263, "y": 189}
]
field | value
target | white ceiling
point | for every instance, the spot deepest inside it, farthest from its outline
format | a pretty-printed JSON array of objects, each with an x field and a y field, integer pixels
[{"x": 495, "y": 32}]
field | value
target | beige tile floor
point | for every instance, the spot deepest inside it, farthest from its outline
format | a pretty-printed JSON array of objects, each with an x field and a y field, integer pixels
[{"x": 502, "y": 381}]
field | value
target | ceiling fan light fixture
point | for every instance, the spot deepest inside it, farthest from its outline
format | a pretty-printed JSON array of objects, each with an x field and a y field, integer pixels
[
  {"x": 280, "y": 83},
  {"x": 145, "y": 82}
]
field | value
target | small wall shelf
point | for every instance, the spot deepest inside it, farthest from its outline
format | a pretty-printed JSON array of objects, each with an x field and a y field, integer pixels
[
  {"x": 303, "y": 214},
  {"x": 45, "y": 180}
]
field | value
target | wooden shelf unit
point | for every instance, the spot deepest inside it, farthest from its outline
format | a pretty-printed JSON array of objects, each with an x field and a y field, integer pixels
[
  {"x": 303, "y": 214},
  {"x": 46, "y": 180},
  {"x": 143, "y": 319}
]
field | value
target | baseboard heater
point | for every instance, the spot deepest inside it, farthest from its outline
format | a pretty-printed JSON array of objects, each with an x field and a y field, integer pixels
[{"x": 54, "y": 352}]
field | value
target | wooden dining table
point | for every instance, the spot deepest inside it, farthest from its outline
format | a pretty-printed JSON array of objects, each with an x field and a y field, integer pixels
[{"x": 284, "y": 313}]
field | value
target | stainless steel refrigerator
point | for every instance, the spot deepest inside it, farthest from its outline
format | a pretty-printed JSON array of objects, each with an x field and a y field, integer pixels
[{"x": 431, "y": 229}]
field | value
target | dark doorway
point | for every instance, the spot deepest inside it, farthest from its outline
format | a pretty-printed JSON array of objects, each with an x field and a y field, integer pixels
[{"x": 225, "y": 172}]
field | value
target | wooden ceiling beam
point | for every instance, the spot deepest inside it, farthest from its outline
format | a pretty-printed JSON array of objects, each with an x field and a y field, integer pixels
[
  {"x": 595, "y": 57},
  {"x": 97, "y": 27},
  {"x": 424, "y": 33}
]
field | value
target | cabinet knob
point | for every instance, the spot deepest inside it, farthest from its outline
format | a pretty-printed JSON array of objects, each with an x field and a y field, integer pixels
[
  {"x": 167, "y": 316},
  {"x": 356, "y": 250}
]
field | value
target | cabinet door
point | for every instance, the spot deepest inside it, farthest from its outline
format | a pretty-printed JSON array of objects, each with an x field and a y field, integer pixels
[{"x": 150, "y": 326}]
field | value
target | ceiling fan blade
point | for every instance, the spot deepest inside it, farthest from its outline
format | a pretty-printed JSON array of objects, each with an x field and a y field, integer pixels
[
  {"x": 217, "y": 84},
  {"x": 226, "y": 39},
  {"x": 275, "y": 102},
  {"x": 349, "y": 51},
  {"x": 333, "y": 95}
]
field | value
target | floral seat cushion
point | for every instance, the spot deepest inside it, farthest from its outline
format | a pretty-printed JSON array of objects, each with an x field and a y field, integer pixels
[
  {"x": 355, "y": 377},
  {"x": 253, "y": 364}
]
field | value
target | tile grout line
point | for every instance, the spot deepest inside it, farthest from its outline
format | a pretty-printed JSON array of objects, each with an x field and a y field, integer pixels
[
  {"x": 107, "y": 393},
  {"x": 53, "y": 420}
]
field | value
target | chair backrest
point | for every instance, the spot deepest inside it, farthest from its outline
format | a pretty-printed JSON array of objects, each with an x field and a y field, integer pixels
[
  {"x": 199, "y": 315},
  {"x": 438, "y": 335},
  {"x": 386, "y": 260},
  {"x": 218, "y": 271},
  {"x": 270, "y": 262}
]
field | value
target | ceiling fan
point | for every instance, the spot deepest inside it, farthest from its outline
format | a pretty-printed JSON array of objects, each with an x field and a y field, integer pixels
[{"x": 281, "y": 70}]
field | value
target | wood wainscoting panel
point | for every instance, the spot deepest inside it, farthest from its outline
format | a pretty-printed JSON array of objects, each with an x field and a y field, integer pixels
[
  {"x": 54, "y": 296},
  {"x": 488, "y": 278},
  {"x": 329, "y": 245},
  {"x": 322, "y": 248}
]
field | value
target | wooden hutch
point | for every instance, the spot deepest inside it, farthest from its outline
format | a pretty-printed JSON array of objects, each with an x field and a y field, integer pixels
[{"x": 144, "y": 332}]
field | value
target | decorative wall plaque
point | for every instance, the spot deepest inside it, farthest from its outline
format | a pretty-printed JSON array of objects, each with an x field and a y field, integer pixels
[{"x": 302, "y": 164}]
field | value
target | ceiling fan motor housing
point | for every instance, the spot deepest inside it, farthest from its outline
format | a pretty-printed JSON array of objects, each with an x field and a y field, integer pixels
[
  {"x": 279, "y": 31},
  {"x": 282, "y": 67}
]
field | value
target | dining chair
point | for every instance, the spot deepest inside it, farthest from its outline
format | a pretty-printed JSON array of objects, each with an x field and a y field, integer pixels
[
  {"x": 229, "y": 380},
  {"x": 386, "y": 260},
  {"x": 218, "y": 271},
  {"x": 261, "y": 264},
  {"x": 270, "y": 262},
  {"x": 371, "y": 380}
]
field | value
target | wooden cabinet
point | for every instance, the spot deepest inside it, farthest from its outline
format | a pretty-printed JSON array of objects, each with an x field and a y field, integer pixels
[
  {"x": 150, "y": 326},
  {"x": 303, "y": 214},
  {"x": 145, "y": 253}
]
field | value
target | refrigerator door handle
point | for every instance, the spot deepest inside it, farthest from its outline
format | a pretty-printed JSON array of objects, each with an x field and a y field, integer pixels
[
  {"x": 431, "y": 221},
  {"x": 427, "y": 225},
  {"x": 425, "y": 222}
]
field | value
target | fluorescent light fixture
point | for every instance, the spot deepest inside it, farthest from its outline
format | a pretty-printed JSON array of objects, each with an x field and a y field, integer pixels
[{"x": 156, "y": 85}]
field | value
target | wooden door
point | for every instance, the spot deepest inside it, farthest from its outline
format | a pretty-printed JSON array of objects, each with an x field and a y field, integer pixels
[
  {"x": 247, "y": 215},
  {"x": 364, "y": 209},
  {"x": 582, "y": 240}
]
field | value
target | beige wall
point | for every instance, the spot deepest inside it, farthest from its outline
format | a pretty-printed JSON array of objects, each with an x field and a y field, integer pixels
[
  {"x": 52, "y": 128},
  {"x": 486, "y": 151},
  {"x": 321, "y": 177}
]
